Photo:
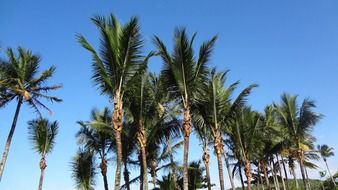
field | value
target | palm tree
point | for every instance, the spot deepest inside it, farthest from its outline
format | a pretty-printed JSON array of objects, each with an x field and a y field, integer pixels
[
  {"x": 326, "y": 152},
  {"x": 183, "y": 75},
  {"x": 214, "y": 109},
  {"x": 115, "y": 65},
  {"x": 299, "y": 122},
  {"x": 83, "y": 169},
  {"x": 42, "y": 133},
  {"x": 20, "y": 81},
  {"x": 95, "y": 136}
]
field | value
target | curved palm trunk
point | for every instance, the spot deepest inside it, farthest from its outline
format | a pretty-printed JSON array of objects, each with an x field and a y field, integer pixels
[
  {"x": 280, "y": 172},
  {"x": 219, "y": 151},
  {"x": 9, "y": 138},
  {"x": 103, "y": 167},
  {"x": 187, "y": 131},
  {"x": 301, "y": 165},
  {"x": 248, "y": 174},
  {"x": 117, "y": 125},
  {"x": 126, "y": 176},
  {"x": 206, "y": 159},
  {"x": 227, "y": 164},
  {"x": 265, "y": 168},
  {"x": 285, "y": 173},
  {"x": 328, "y": 169},
  {"x": 274, "y": 175},
  {"x": 142, "y": 143},
  {"x": 43, "y": 166}
]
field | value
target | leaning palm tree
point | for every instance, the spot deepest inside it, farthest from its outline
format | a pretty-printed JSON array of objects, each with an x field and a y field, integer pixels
[
  {"x": 21, "y": 82},
  {"x": 213, "y": 108},
  {"x": 326, "y": 152},
  {"x": 115, "y": 65},
  {"x": 83, "y": 169},
  {"x": 183, "y": 75},
  {"x": 42, "y": 133},
  {"x": 95, "y": 136},
  {"x": 299, "y": 121}
]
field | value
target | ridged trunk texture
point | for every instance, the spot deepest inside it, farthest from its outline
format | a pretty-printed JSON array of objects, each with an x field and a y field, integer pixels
[
  {"x": 9, "y": 138},
  {"x": 142, "y": 141},
  {"x": 219, "y": 152},
  {"x": 43, "y": 166},
  {"x": 227, "y": 164},
  {"x": 117, "y": 125},
  {"x": 187, "y": 131},
  {"x": 247, "y": 169},
  {"x": 103, "y": 167},
  {"x": 206, "y": 160}
]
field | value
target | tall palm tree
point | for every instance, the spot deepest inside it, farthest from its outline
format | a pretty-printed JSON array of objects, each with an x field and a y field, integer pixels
[
  {"x": 326, "y": 152},
  {"x": 214, "y": 109},
  {"x": 115, "y": 65},
  {"x": 299, "y": 121},
  {"x": 83, "y": 169},
  {"x": 95, "y": 136},
  {"x": 42, "y": 133},
  {"x": 183, "y": 75},
  {"x": 21, "y": 82}
]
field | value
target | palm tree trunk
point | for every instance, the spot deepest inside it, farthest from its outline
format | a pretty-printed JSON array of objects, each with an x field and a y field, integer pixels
[
  {"x": 265, "y": 167},
  {"x": 285, "y": 173},
  {"x": 142, "y": 143},
  {"x": 153, "y": 175},
  {"x": 141, "y": 171},
  {"x": 187, "y": 131},
  {"x": 307, "y": 178},
  {"x": 328, "y": 169},
  {"x": 241, "y": 176},
  {"x": 117, "y": 124},
  {"x": 227, "y": 164},
  {"x": 103, "y": 167},
  {"x": 9, "y": 138},
  {"x": 301, "y": 165},
  {"x": 219, "y": 151},
  {"x": 295, "y": 177},
  {"x": 43, "y": 166},
  {"x": 280, "y": 172},
  {"x": 259, "y": 175},
  {"x": 274, "y": 175},
  {"x": 126, "y": 176},
  {"x": 206, "y": 159},
  {"x": 247, "y": 169}
]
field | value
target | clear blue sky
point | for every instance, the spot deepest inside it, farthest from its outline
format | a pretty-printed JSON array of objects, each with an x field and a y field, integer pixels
[{"x": 283, "y": 45}]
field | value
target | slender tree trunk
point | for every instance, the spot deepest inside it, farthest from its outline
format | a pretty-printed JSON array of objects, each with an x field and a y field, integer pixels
[
  {"x": 126, "y": 176},
  {"x": 206, "y": 159},
  {"x": 117, "y": 125},
  {"x": 142, "y": 143},
  {"x": 265, "y": 167},
  {"x": 103, "y": 167},
  {"x": 227, "y": 164},
  {"x": 328, "y": 169},
  {"x": 321, "y": 184},
  {"x": 275, "y": 180},
  {"x": 295, "y": 177},
  {"x": 219, "y": 152},
  {"x": 187, "y": 131},
  {"x": 141, "y": 171},
  {"x": 248, "y": 174},
  {"x": 280, "y": 172},
  {"x": 301, "y": 165},
  {"x": 9, "y": 138},
  {"x": 259, "y": 175},
  {"x": 307, "y": 178},
  {"x": 286, "y": 174},
  {"x": 43, "y": 166},
  {"x": 241, "y": 176},
  {"x": 153, "y": 175},
  {"x": 173, "y": 168}
]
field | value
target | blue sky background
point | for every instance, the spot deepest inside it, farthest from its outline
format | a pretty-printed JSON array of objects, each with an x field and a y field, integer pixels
[{"x": 283, "y": 45}]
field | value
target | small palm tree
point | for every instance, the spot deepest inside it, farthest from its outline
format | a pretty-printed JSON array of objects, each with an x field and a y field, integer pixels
[
  {"x": 115, "y": 65},
  {"x": 184, "y": 74},
  {"x": 96, "y": 135},
  {"x": 20, "y": 81},
  {"x": 83, "y": 169},
  {"x": 326, "y": 152},
  {"x": 42, "y": 133}
]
